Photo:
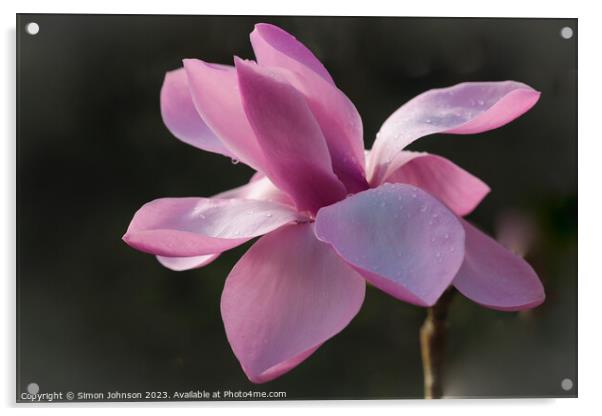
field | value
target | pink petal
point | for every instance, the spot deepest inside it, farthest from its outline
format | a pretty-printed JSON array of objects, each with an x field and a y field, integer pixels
[
  {"x": 297, "y": 158},
  {"x": 189, "y": 227},
  {"x": 399, "y": 238},
  {"x": 451, "y": 184},
  {"x": 466, "y": 108},
  {"x": 259, "y": 187},
  {"x": 494, "y": 277},
  {"x": 179, "y": 264},
  {"x": 215, "y": 94},
  {"x": 338, "y": 118},
  {"x": 284, "y": 298},
  {"x": 275, "y": 47},
  {"x": 182, "y": 119}
]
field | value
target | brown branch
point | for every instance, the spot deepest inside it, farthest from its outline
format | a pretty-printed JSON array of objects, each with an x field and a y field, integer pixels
[{"x": 432, "y": 345}]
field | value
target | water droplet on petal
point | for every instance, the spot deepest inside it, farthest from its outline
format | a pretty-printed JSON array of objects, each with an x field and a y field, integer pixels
[
  {"x": 235, "y": 161},
  {"x": 269, "y": 214}
]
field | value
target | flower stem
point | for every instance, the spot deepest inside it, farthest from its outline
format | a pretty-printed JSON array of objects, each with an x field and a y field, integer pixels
[{"x": 432, "y": 345}]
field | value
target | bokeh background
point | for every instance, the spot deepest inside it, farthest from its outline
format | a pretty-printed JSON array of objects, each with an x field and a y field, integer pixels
[{"x": 95, "y": 315}]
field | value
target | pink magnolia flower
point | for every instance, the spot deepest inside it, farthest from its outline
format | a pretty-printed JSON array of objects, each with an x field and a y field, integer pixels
[{"x": 331, "y": 216}]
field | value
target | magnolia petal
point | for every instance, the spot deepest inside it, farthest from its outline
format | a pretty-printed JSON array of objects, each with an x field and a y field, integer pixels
[
  {"x": 182, "y": 119},
  {"x": 399, "y": 238},
  {"x": 276, "y": 47},
  {"x": 296, "y": 154},
  {"x": 214, "y": 91},
  {"x": 338, "y": 118},
  {"x": 341, "y": 125},
  {"x": 285, "y": 297},
  {"x": 466, "y": 108},
  {"x": 496, "y": 278},
  {"x": 179, "y": 264},
  {"x": 440, "y": 177},
  {"x": 259, "y": 187},
  {"x": 189, "y": 227}
]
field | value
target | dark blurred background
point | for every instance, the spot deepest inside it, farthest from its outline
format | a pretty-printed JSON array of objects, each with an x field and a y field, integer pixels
[{"x": 96, "y": 315}]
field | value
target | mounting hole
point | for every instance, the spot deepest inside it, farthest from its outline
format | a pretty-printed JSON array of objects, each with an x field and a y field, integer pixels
[
  {"x": 566, "y": 32},
  {"x": 32, "y": 28},
  {"x": 566, "y": 384},
  {"x": 33, "y": 388}
]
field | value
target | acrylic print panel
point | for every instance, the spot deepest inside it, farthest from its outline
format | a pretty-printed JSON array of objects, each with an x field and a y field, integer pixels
[{"x": 331, "y": 274}]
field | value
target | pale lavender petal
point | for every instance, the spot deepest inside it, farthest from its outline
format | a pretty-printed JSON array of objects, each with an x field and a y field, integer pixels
[
  {"x": 179, "y": 264},
  {"x": 215, "y": 93},
  {"x": 259, "y": 187},
  {"x": 189, "y": 227},
  {"x": 399, "y": 238},
  {"x": 338, "y": 118},
  {"x": 494, "y": 277},
  {"x": 466, "y": 108},
  {"x": 296, "y": 154},
  {"x": 182, "y": 119},
  {"x": 276, "y": 47},
  {"x": 284, "y": 298},
  {"x": 452, "y": 185}
]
